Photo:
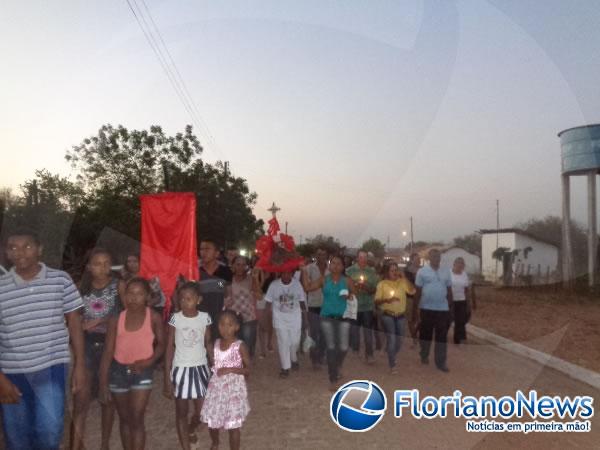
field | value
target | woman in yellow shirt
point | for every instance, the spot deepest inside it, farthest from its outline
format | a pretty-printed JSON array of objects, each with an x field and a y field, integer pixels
[{"x": 390, "y": 299}]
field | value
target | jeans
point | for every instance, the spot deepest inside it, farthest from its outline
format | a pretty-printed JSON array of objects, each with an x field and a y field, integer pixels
[
  {"x": 434, "y": 322},
  {"x": 460, "y": 321},
  {"x": 394, "y": 329},
  {"x": 336, "y": 333},
  {"x": 364, "y": 320},
  {"x": 314, "y": 325},
  {"x": 36, "y": 422},
  {"x": 248, "y": 335}
]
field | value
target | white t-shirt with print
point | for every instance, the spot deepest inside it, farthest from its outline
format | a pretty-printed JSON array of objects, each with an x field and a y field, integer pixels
[
  {"x": 459, "y": 283},
  {"x": 285, "y": 300},
  {"x": 189, "y": 339}
]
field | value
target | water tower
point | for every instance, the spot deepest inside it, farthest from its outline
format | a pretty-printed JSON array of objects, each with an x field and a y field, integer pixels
[{"x": 580, "y": 151}]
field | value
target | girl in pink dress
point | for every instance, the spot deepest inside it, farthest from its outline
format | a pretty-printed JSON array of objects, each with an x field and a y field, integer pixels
[{"x": 226, "y": 402}]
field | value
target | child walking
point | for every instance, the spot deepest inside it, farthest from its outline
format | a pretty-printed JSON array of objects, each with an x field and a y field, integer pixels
[
  {"x": 99, "y": 289},
  {"x": 134, "y": 343},
  {"x": 226, "y": 403},
  {"x": 186, "y": 364}
]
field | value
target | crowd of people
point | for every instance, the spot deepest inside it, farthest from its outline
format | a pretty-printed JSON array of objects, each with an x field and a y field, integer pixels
[{"x": 219, "y": 326}]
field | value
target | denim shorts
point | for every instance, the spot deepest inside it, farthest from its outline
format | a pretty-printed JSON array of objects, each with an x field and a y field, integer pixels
[{"x": 121, "y": 379}]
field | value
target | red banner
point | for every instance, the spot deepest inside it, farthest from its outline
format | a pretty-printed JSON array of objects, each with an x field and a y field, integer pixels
[{"x": 169, "y": 245}]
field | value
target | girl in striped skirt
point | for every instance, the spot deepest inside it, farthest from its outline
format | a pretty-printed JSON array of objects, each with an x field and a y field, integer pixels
[{"x": 186, "y": 363}]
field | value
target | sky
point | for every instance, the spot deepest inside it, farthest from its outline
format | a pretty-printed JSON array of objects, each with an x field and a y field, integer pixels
[{"x": 352, "y": 116}]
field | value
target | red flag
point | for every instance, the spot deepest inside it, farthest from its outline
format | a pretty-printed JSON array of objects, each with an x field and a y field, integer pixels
[{"x": 169, "y": 239}]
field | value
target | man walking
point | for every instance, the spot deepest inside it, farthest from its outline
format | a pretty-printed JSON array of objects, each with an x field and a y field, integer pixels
[
  {"x": 214, "y": 279},
  {"x": 34, "y": 346},
  {"x": 365, "y": 284},
  {"x": 434, "y": 297},
  {"x": 311, "y": 275}
]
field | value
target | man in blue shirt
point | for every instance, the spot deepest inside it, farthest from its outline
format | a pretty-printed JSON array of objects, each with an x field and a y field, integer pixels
[{"x": 434, "y": 297}]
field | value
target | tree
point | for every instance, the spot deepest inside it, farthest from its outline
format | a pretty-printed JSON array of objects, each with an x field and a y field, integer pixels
[
  {"x": 47, "y": 205},
  {"x": 470, "y": 242},
  {"x": 306, "y": 250},
  {"x": 118, "y": 165},
  {"x": 331, "y": 244},
  {"x": 112, "y": 169},
  {"x": 374, "y": 246}
]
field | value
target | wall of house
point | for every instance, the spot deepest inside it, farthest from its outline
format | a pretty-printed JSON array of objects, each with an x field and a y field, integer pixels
[
  {"x": 472, "y": 262},
  {"x": 541, "y": 260},
  {"x": 490, "y": 270}
]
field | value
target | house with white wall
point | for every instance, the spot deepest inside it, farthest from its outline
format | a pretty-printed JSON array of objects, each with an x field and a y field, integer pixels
[
  {"x": 527, "y": 256},
  {"x": 472, "y": 261}
]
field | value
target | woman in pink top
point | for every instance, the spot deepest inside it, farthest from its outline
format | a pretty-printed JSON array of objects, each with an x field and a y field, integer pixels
[{"x": 134, "y": 343}]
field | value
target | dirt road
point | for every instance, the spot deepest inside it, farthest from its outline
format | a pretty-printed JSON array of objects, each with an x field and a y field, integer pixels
[{"x": 293, "y": 413}]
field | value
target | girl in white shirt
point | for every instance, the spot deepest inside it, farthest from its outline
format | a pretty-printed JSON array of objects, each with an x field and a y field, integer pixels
[
  {"x": 186, "y": 363},
  {"x": 461, "y": 294}
]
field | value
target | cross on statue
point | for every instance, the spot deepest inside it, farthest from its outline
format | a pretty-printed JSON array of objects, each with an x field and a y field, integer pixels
[{"x": 274, "y": 209}]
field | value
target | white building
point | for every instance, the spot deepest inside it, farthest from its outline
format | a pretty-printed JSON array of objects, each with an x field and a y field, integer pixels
[
  {"x": 472, "y": 262},
  {"x": 527, "y": 257}
]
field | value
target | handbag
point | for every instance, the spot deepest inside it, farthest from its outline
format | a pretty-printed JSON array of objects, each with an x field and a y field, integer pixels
[
  {"x": 307, "y": 344},
  {"x": 351, "y": 310}
]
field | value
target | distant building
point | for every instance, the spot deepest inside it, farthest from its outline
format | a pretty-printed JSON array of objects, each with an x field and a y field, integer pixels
[
  {"x": 526, "y": 259},
  {"x": 398, "y": 255},
  {"x": 472, "y": 261}
]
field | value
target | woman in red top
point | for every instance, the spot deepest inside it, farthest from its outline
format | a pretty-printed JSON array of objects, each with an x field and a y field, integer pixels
[{"x": 134, "y": 343}]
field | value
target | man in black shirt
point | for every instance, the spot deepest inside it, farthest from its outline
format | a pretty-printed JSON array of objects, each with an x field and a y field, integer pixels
[{"x": 214, "y": 279}]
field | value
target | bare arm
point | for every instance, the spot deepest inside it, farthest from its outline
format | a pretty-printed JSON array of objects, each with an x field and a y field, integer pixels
[
  {"x": 159, "y": 336},
  {"x": 351, "y": 286},
  {"x": 76, "y": 335},
  {"x": 107, "y": 357},
  {"x": 311, "y": 286},
  {"x": 209, "y": 346},
  {"x": 417, "y": 301},
  {"x": 121, "y": 289},
  {"x": 169, "y": 352}
]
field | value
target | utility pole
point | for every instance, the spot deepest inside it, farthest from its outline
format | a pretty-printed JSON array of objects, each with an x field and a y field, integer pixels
[
  {"x": 497, "y": 234},
  {"x": 411, "y": 235}
]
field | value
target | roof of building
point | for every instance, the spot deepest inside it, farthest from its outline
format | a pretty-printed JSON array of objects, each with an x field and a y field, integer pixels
[{"x": 518, "y": 231}]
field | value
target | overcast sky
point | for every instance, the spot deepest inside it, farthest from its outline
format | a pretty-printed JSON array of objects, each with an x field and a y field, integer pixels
[{"x": 351, "y": 116}]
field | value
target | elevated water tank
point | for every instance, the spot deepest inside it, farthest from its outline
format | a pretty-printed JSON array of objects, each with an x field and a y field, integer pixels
[{"x": 580, "y": 149}]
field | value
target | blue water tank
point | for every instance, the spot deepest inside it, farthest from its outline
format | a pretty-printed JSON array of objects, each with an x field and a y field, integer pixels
[{"x": 580, "y": 149}]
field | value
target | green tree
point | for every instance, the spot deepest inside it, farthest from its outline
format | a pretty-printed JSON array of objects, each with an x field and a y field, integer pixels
[
  {"x": 374, "y": 246},
  {"x": 118, "y": 165},
  {"x": 470, "y": 242},
  {"x": 331, "y": 244},
  {"x": 102, "y": 206},
  {"x": 47, "y": 205},
  {"x": 306, "y": 250}
]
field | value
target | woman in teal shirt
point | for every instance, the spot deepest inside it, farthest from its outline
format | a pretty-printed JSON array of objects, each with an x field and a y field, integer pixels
[{"x": 337, "y": 289}]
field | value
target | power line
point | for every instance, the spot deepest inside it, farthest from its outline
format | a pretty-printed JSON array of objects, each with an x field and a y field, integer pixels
[
  {"x": 179, "y": 77},
  {"x": 179, "y": 90}
]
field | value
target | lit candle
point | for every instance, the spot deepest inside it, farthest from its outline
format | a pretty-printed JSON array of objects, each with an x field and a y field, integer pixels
[
  {"x": 362, "y": 278},
  {"x": 392, "y": 293}
]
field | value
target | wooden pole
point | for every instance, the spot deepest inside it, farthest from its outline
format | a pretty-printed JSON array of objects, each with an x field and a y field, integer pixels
[
  {"x": 567, "y": 253},
  {"x": 411, "y": 235},
  {"x": 592, "y": 228}
]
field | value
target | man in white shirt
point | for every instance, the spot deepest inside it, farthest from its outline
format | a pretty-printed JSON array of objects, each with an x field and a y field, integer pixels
[{"x": 287, "y": 299}]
